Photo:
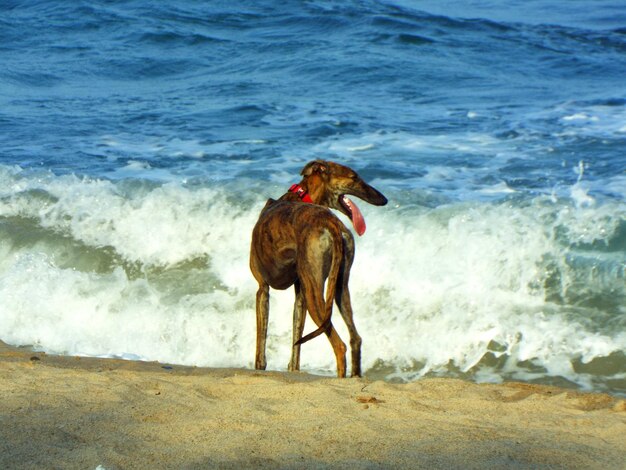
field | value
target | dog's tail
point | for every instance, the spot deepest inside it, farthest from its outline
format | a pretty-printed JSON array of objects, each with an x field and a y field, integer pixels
[{"x": 331, "y": 285}]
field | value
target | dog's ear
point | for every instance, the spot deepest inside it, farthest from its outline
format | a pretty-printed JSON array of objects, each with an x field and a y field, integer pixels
[{"x": 317, "y": 166}]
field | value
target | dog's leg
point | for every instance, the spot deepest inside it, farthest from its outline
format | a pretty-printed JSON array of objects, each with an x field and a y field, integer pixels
[
  {"x": 342, "y": 297},
  {"x": 345, "y": 307},
  {"x": 262, "y": 315},
  {"x": 299, "y": 312},
  {"x": 339, "y": 348},
  {"x": 315, "y": 305}
]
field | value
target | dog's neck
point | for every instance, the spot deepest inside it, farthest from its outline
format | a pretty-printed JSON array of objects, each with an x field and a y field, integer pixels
[
  {"x": 310, "y": 189},
  {"x": 302, "y": 194}
]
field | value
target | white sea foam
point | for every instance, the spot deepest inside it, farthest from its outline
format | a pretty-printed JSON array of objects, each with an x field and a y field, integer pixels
[
  {"x": 593, "y": 120},
  {"x": 431, "y": 288},
  {"x": 500, "y": 188},
  {"x": 346, "y": 146},
  {"x": 580, "y": 117}
]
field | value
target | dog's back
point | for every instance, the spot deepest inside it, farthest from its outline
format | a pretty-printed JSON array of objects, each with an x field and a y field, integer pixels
[{"x": 286, "y": 230}]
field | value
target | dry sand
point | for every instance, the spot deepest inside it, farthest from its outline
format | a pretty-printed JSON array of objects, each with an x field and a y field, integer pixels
[{"x": 81, "y": 413}]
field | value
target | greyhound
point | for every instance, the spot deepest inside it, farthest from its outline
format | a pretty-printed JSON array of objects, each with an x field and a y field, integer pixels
[{"x": 299, "y": 242}]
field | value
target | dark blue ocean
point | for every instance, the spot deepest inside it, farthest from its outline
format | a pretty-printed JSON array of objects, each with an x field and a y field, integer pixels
[{"x": 139, "y": 141}]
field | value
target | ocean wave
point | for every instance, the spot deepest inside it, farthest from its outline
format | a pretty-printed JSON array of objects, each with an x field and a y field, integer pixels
[{"x": 530, "y": 290}]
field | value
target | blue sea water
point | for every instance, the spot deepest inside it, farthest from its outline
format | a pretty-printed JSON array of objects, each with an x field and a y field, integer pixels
[{"x": 139, "y": 141}]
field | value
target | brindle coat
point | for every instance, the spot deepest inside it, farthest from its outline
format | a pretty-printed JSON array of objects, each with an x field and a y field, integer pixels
[{"x": 301, "y": 244}]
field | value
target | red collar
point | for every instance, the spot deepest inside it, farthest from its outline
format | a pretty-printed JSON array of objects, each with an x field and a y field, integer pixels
[{"x": 302, "y": 194}]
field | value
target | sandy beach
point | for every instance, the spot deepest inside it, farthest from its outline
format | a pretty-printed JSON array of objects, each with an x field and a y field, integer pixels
[{"x": 85, "y": 413}]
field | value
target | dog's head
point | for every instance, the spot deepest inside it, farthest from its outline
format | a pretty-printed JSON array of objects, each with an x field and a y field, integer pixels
[{"x": 329, "y": 183}]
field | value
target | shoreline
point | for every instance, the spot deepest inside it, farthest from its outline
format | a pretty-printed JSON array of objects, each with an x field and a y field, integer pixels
[{"x": 80, "y": 412}]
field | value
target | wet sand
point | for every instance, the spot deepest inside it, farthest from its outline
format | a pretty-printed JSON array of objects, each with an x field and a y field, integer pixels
[{"x": 82, "y": 413}]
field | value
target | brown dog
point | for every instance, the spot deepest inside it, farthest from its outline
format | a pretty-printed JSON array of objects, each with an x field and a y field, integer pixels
[{"x": 298, "y": 241}]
